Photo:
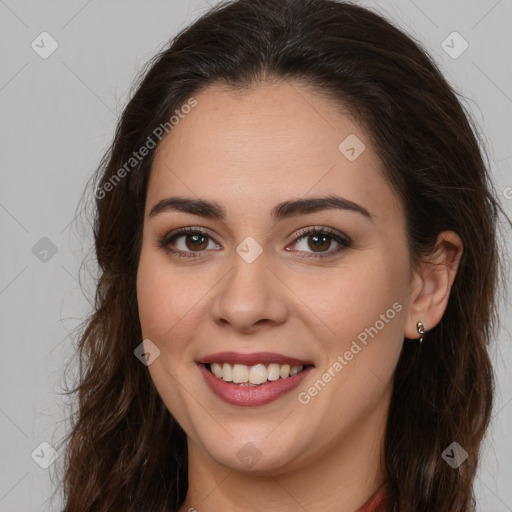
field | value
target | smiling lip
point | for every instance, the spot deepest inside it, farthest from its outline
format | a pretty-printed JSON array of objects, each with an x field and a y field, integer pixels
[
  {"x": 252, "y": 359},
  {"x": 237, "y": 394}
]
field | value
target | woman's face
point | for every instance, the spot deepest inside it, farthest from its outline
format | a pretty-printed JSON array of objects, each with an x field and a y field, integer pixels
[{"x": 254, "y": 289}]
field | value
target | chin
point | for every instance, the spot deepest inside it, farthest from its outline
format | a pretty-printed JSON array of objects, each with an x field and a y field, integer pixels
[{"x": 255, "y": 454}]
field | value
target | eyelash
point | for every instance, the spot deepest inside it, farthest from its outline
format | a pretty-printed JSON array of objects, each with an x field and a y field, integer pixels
[{"x": 344, "y": 241}]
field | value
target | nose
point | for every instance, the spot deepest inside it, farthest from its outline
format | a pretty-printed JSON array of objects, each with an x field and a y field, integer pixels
[{"x": 251, "y": 297}]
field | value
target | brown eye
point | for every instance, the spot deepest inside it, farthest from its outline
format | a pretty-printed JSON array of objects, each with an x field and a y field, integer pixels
[
  {"x": 196, "y": 242},
  {"x": 315, "y": 242},
  {"x": 187, "y": 242},
  {"x": 319, "y": 242}
]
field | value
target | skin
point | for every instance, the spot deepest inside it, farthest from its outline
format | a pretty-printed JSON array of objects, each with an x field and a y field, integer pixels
[{"x": 275, "y": 142}]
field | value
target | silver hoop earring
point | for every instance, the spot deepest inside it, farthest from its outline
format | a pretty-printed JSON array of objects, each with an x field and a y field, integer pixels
[{"x": 420, "y": 326}]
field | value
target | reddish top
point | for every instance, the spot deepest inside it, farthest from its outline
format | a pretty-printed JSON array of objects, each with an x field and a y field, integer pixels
[{"x": 378, "y": 502}]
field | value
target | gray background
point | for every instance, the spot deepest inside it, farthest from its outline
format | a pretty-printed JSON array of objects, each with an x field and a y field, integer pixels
[{"x": 58, "y": 117}]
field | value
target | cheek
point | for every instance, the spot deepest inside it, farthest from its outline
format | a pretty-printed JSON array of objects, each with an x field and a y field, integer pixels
[
  {"x": 355, "y": 299},
  {"x": 153, "y": 299},
  {"x": 163, "y": 297},
  {"x": 364, "y": 313},
  {"x": 171, "y": 308},
  {"x": 163, "y": 304}
]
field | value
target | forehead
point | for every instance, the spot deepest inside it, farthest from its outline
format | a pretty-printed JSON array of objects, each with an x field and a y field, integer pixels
[{"x": 267, "y": 144}]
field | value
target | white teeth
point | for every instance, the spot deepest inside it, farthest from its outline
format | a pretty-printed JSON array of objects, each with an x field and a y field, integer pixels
[
  {"x": 217, "y": 370},
  {"x": 294, "y": 370},
  {"x": 284, "y": 371},
  {"x": 240, "y": 373},
  {"x": 257, "y": 374},
  {"x": 227, "y": 372},
  {"x": 274, "y": 371}
]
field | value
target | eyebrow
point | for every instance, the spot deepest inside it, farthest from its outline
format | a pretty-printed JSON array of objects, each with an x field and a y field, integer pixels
[{"x": 286, "y": 209}]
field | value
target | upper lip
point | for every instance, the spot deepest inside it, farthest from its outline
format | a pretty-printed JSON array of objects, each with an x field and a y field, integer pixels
[{"x": 252, "y": 359}]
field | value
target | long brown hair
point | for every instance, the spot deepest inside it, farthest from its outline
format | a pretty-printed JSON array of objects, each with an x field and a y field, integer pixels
[{"x": 125, "y": 451}]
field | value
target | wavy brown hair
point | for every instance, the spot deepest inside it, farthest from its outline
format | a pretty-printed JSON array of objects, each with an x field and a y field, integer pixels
[{"x": 124, "y": 450}]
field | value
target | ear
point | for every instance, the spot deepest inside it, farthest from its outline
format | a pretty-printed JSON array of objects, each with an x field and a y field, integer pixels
[{"x": 432, "y": 282}]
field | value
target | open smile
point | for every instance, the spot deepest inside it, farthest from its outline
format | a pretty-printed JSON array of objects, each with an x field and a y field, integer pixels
[{"x": 252, "y": 379}]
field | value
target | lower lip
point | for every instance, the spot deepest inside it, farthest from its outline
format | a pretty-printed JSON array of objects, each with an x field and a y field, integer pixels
[{"x": 236, "y": 394}]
